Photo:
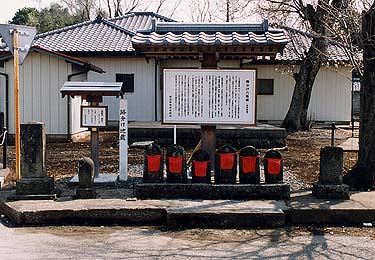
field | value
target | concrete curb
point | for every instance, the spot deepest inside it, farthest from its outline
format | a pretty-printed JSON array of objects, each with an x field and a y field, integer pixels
[{"x": 301, "y": 209}]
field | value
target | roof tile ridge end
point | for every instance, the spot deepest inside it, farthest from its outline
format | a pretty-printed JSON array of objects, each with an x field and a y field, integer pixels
[
  {"x": 120, "y": 28},
  {"x": 133, "y": 13}
]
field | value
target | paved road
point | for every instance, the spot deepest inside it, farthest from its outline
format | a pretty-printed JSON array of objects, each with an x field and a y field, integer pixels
[{"x": 72, "y": 242}]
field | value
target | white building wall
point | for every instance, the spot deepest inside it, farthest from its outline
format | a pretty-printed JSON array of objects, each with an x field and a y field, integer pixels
[
  {"x": 330, "y": 99},
  {"x": 141, "y": 103},
  {"x": 41, "y": 77},
  {"x": 75, "y": 107}
]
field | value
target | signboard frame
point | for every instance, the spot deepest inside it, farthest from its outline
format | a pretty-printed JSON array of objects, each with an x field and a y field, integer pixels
[
  {"x": 210, "y": 122},
  {"x": 95, "y": 107}
]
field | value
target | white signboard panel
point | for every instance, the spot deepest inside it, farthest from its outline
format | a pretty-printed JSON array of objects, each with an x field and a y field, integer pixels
[
  {"x": 202, "y": 96},
  {"x": 94, "y": 116}
]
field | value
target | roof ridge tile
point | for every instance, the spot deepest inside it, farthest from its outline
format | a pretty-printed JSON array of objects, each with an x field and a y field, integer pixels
[{"x": 139, "y": 13}]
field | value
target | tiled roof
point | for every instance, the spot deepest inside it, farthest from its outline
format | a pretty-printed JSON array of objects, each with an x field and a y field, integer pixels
[
  {"x": 100, "y": 35},
  {"x": 300, "y": 43},
  {"x": 116, "y": 35},
  {"x": 218, "y": 38},
  {"x": 166, "y": 33}
]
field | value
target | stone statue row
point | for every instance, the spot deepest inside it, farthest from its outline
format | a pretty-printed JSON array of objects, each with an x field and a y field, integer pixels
[{"x": 228, "y": 161}]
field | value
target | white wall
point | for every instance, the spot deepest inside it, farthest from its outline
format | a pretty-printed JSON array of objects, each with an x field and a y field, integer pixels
[
  {"x": 75, "y": 107},
  {"x": 330, "y": 99},
  {"x": 41, "y": 77},
  {"x": 141, "y": 103}
]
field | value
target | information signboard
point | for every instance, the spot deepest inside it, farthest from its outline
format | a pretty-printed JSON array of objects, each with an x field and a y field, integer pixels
[
  {"x": 203, "y": 96},
  {"x": 94, "y": 116}
]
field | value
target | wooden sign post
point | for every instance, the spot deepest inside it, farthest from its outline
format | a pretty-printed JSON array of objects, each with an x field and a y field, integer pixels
[
  {"x": 16, "y": 105},
  {"x": 18, "y": 38}
]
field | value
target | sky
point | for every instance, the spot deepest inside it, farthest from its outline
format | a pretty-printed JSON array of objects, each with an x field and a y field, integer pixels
[{"x": 9, "y": 8}]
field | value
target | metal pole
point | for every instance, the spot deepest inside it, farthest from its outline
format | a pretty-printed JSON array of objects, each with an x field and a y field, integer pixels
[
  {"x": 333, "y": 134},
  {"x": 352, "y": 112},
  {"x": 5, "y": 143},
  {"x": 16, "y": 105},
  {"x": 174, "y": 134}
]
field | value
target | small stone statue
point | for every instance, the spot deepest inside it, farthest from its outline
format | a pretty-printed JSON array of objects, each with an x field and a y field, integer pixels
[{"x": 85, "y": 179}]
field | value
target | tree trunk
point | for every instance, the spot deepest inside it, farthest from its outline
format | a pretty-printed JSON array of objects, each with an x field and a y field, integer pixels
[
  {"x": 296, "y": 118},
  {"x": 362, "y": 176}
]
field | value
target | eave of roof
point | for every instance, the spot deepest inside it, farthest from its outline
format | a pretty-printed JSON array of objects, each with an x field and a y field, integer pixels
[{"x": 74, "y": 60}]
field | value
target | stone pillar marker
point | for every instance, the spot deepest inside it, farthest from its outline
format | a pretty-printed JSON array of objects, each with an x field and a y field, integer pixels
[
  {"x": 330, "y": 184},
  {"x": 86, "y": 172},
  {"x": 34, "y": 179}
]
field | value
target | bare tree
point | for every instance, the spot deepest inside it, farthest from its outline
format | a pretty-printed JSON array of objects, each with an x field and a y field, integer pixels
[
  {"x": 314, "y": 17},
  {"x": 233, "y": 10},
  {"x": 82, "y": 8},
  {"x": 202, "y": 10}
]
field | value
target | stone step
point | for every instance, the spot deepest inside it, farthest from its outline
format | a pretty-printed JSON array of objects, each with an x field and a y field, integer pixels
[
  {"x": 228, "y": 214},
  {"x": 174, "y": 213}
]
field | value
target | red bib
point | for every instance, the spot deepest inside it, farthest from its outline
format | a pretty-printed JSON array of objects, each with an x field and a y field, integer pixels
[
  {"x": 200, "y": 168},
  {"x": 153, "y": 162},
  {"x": 249, "y": 164},
  {"x": 226, "y": 161},
  {"x": 274, "y": 165},
  {"x": 175, "y": 164}
]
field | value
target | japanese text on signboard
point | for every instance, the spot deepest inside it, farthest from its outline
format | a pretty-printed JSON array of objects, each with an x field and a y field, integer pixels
[
  {"x": 209, "y": 96},
  {"x": 94, "y": 116}
]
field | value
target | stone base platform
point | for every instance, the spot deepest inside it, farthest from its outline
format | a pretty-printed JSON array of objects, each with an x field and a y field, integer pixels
[
  {"x": 278, "y": 191},
  {"x": 103, "y": 180},
  {"x": 53, "y": 195},
  {"x": 32, "y": 186},
  {"x": 321, "y": 191}
]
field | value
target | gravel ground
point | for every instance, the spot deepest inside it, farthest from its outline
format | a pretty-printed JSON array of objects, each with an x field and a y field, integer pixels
[{"x": 301, "y": 158}]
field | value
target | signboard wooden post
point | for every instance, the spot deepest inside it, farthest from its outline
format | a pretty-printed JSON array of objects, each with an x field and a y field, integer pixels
[{"x": 123, "y": 138}]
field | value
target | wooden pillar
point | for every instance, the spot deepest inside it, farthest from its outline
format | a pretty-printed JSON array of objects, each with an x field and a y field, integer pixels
[
  {"x": 94, "y": 144},
  {"x": 208, "y": 132}
]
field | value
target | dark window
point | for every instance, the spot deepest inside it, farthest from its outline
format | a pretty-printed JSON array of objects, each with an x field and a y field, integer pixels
[
  {"x": 265, "y": 86},
  {"x": 2, "y": 64},
  {"x": 127, "y": 82}
]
